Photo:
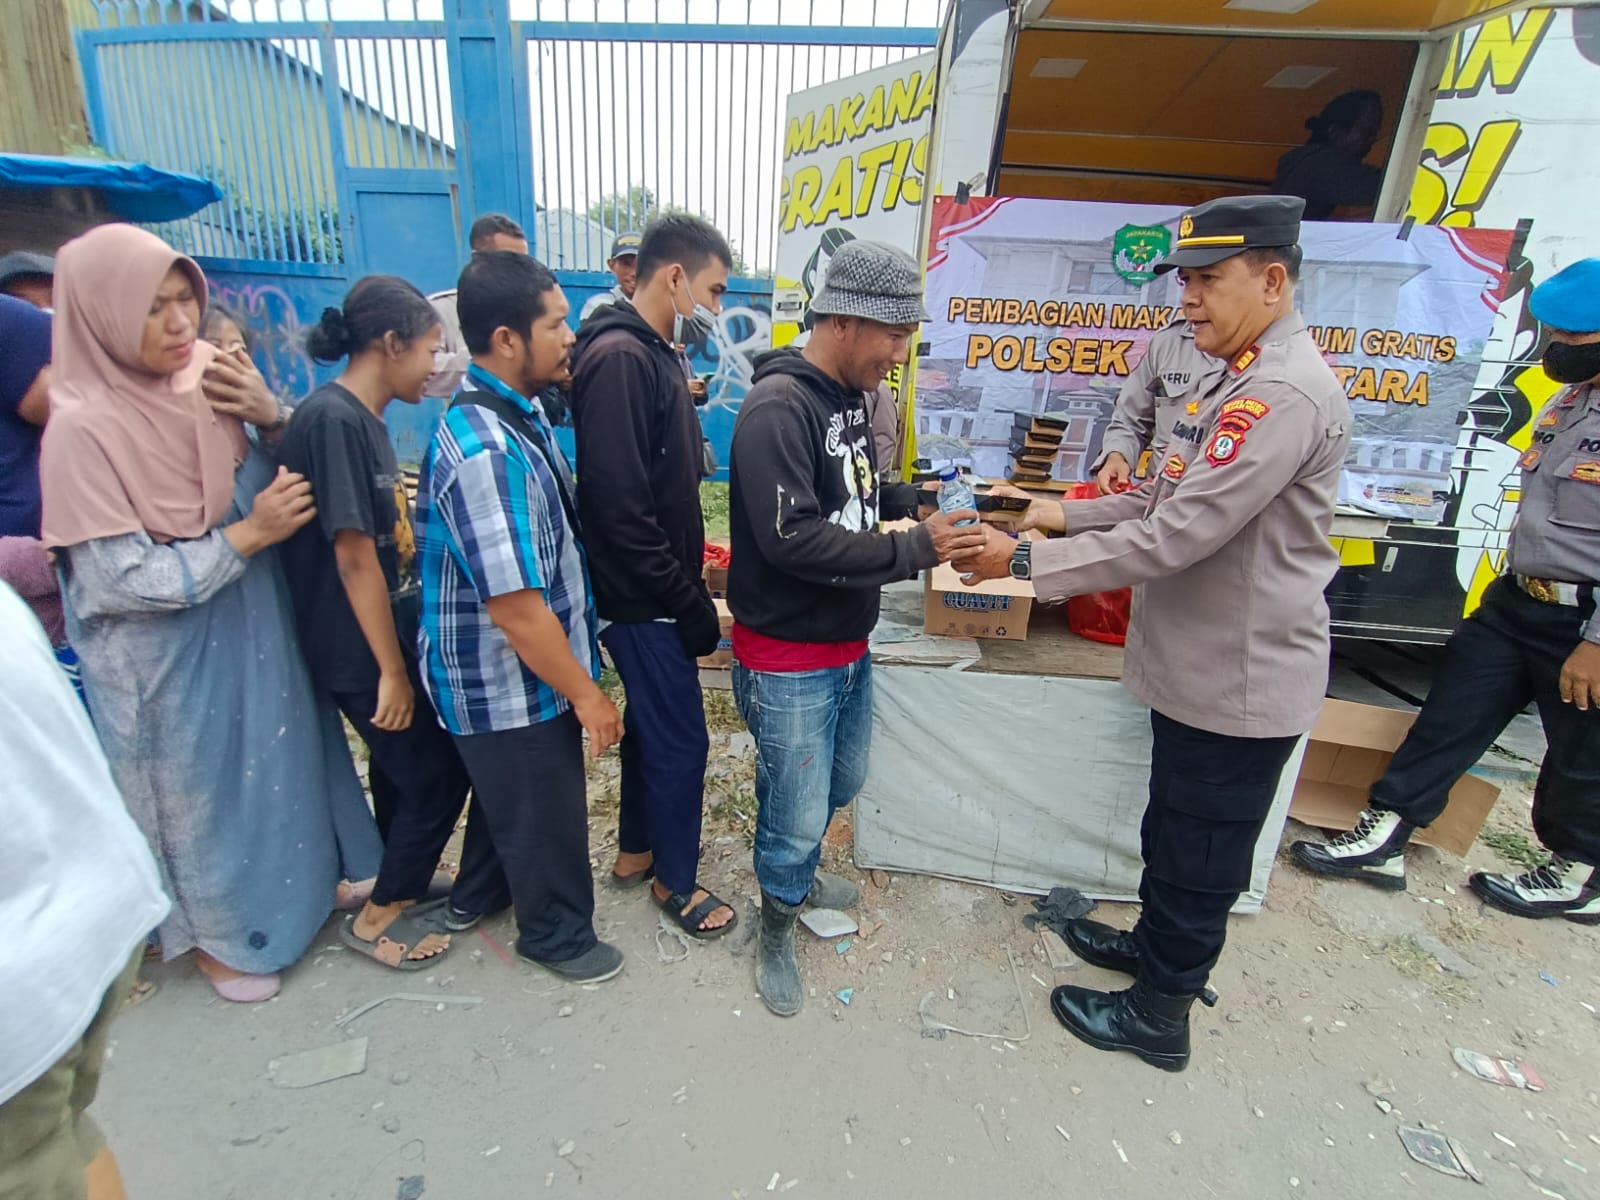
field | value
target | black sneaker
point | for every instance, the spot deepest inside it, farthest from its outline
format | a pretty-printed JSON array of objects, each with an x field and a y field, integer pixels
[
  {"x": 457, "y": 921},
  {"x": 1560, "y": 888},
  {"x": 1374, "y": 851},
  {"x": 599, "y": 963}
]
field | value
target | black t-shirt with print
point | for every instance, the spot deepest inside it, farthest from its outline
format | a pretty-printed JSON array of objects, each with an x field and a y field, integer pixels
[{"x": 344, "y": 450}]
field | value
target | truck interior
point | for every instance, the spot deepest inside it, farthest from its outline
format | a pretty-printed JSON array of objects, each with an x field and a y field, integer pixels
[{"x": 1193, "y": 99}]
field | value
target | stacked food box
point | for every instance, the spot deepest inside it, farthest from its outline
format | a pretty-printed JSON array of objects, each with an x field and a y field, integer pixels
[{"x": 1035, "y": 443}]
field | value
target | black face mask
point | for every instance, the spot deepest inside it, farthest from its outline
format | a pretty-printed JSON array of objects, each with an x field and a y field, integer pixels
[{"x": 1566, "y": 363}]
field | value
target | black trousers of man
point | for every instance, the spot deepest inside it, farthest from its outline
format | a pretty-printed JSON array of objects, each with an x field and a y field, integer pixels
[
  {"x": 530, "y": 785},
  {"x": 1507, "y": 655},
  {"x": 419, "y": 787},
  {"x": 1209, "y": 797}
]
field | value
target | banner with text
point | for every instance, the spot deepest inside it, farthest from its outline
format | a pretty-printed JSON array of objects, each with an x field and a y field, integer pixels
[
  {"x": 1046, "y": 306},
  {"x": 854, "y": 156}
]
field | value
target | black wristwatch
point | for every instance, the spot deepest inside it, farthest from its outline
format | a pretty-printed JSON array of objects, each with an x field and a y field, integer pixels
[{"x": 1022, "y": 560}]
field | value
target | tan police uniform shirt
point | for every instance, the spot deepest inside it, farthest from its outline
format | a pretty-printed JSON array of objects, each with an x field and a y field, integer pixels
[
  {"x": 1557, "y": 531},
  {"x": 1154, "y": 395},
  {"x": 1228, "y": 546},
  {"x": 453, "y": 359}
]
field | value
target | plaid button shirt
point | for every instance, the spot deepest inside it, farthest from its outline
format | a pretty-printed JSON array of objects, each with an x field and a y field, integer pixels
[{"x": 490, "y": 522}]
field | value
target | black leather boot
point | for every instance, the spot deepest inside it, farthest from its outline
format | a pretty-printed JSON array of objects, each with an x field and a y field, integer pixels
[
  {"x": 777, "y": 972},
  {"x": 1103, "y": 945},
  {"x": 1140, "y": 1020}
]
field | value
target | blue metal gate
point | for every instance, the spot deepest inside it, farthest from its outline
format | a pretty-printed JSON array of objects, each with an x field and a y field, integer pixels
[{"x": 349, "y": 146}]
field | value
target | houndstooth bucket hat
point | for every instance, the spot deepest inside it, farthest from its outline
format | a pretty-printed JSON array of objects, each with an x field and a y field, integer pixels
[{"x": 874, "y": 282}]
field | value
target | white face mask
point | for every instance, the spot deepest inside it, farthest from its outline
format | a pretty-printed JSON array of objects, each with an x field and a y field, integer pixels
[{"x": 695, "y": 327}]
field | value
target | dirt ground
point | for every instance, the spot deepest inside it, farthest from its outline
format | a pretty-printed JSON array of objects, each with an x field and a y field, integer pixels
[{"x": 1340, "y": 1006}]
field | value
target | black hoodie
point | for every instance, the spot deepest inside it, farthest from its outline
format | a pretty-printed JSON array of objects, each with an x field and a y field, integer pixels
[
  {"x": 639, "y": 458},
  {"x": 808, "y": 559}
]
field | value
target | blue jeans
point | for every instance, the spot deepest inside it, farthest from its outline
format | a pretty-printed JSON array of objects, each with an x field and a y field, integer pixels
[
  {"x": 664, "y": 748},
  {"x": 812, "y": 731}
]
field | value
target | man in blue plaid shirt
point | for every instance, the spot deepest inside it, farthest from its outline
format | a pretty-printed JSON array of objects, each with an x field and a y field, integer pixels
[{"x": 508, "y": 625}]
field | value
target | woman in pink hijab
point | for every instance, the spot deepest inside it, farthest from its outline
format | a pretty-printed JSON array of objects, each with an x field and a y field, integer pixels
[{"x": 163, "y": 513}]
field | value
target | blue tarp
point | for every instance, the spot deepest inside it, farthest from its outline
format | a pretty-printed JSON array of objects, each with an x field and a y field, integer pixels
[{"x": 133, "y": 191}]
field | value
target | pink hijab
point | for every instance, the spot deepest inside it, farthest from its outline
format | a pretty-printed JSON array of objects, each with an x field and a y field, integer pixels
[{"x": 125, "y": 450}]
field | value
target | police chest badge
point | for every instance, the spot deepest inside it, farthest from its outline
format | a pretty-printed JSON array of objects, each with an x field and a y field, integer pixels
[
  {"x": 1174, "y": 468},
  {"x": 1586, "y": 472},
  {"x": 1224, "y": 446},
  {"x": 1136, "y": 249}
]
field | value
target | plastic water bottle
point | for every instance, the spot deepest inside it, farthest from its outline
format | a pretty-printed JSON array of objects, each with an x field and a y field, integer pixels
[{"x": 955, "y": 493}]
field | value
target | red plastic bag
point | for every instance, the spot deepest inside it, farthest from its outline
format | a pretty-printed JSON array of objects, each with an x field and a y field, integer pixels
[{"x": 1099, "y": 616}]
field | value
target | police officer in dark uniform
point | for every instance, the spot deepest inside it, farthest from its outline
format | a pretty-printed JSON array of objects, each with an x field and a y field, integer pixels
[
  {"x": 1534, "y": 639},
  {"x": 1229, "y": 552}
]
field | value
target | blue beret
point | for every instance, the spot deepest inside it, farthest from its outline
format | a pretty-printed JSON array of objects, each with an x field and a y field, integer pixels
[{"x": 1570, "y": 299}]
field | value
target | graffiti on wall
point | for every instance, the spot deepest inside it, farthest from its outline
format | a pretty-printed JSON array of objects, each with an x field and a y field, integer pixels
[{"x": 276, "y": 315}]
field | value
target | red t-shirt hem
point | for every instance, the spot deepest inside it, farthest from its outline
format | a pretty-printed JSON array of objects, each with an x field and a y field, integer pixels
[{"x": 757, "y": 652}]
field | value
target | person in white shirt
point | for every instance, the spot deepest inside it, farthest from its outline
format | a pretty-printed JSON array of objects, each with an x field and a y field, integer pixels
[
  {"x": 492, "y": 231},
  {"x": 81, "y": 892}
]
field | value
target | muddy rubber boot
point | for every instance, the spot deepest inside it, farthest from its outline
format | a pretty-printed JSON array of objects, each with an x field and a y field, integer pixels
[
  {"x": 832, "y": 891},
  {"x": 1140, "y": 1020},
  {"x": 777, "y": 972},
  {"x": 1102, "y": 945}
]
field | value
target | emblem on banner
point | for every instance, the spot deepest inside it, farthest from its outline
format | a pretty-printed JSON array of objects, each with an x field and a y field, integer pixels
[{"x": 1136, "y": 249}]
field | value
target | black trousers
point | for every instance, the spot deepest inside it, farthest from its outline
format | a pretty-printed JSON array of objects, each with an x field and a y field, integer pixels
[
  {"x": 1209, "y": 797},
  {"x": 419, "y": 786},
  {"x": 529, "y": 784},
  {"x": 1505, "y": 656}
]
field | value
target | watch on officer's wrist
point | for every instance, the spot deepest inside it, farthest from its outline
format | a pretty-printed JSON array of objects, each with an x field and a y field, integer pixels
[{"x": 1022, "y": 560}]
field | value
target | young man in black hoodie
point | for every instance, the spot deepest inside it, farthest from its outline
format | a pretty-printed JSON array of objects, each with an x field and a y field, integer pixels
[
  {"x": 808, "y": 560},
  {"x": 639, "y": 458}
]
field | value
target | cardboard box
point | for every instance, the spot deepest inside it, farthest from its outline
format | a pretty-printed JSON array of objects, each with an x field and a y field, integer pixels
[
  {"x": 722, "y": 658},
  {"x": 1348, "y": 751},
  {"x": 716, "y": 580},
  {"x": 998, "y": 608}
]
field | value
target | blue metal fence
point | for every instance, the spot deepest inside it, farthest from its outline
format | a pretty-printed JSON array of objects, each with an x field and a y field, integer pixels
[{"x": 347, "y": 144}]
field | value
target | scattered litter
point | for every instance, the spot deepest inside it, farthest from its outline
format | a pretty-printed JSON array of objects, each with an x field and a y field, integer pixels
[
  {"x": 1148, "y": 1102},
  {"x": 1258, "y": 1112},
  {"x": 320, "y": 1065},
  {"x": 1465, "y": 1161},
  {"x": 1432, "y": 1150},
  {"x": 491, "y": 1151},
  {"x": 400, "y": 1077},
  {"x": 415, "y": 997},
  {"x": 1576, "y": 1167},
  {"x": 1063, "y": 1133},
  {"x": 880, "y": 879},
  {"x": 905, "y": 1141},
  {"x": 1121, "y": 1153},
  {"x": 848, "y": 1140},
  {"x": 1592, "y": 1009},
  {"x": 1595, "y": 1139},
  {"x": 1549, "y": 978},
  {"x": 950, "y": 994},
  {"x": 673, "y": 933},
  {"x": 887, "y": 956},
  {"x": 1055, "y": 950},
  {"x": 566, "y": 1148},
  {"x": 1175, "y": 1138},
  {"x": 842, "y": 947},
  {"x": 933, "y": 1027},
  {"x": 1378, "y": 1087},
  {"x": 1054, "y": 910},
  {"x": 1384, "y": 1106},
  {"x": 1294, "y": 1181},
  {"x": 1500, "y": 1137},
  {"x": 1503, "y": 1071},
  {"x": 549, "y": 1179},
  {"x": 790, "y": 1184},
  {"x": 772, "y": 1184},
  {"x": 846, "y": 995},
  {"x": 682, "y": 1094},
  {"x": 1449, "y": 890},
  {"x": 828, "y": 923},
  {"x": 411, "y": 1188},
  {"x": 564, "y": 1011}
]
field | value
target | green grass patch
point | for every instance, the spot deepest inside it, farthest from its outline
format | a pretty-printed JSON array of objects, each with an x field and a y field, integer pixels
[
  {"x": 714, "y": 507},
  {"x": 1515, "y": 848}
]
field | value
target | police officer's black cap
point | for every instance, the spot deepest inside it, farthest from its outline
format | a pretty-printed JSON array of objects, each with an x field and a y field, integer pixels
[{"x": 1219, "y": 229}]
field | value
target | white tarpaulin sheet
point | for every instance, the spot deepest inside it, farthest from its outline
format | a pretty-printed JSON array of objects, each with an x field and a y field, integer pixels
[{"x": 1018, "y": 781}]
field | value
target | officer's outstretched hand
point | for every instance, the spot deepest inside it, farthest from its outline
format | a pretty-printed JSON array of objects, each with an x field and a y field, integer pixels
[
  {"x": 1041, "y": 514},
  {"x": 991, "y": 560},
  {"x": 1580, "y": 677}
]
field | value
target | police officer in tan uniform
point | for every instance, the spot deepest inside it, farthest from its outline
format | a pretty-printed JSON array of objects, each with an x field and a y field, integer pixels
[
  {"x": 1534, "y": 639},
  {"x": 1154, "y": 399},
  {"x": 1228, "y": 645}
]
